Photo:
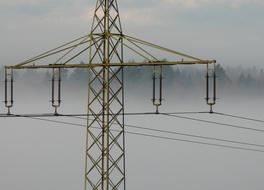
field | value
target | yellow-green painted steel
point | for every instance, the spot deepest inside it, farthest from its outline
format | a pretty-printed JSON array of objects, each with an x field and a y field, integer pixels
[{"x": 105, "y": 150}]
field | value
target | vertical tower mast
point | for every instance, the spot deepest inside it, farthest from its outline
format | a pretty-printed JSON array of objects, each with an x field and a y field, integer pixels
[
  {"x": 105, "y": 148},
  {"x": 105, "y": 144}
]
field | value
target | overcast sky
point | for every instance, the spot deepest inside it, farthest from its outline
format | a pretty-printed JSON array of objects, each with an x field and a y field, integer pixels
[{"x": 230, "y": 31}]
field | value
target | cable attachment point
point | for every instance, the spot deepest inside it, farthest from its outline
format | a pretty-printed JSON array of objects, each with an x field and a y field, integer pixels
[
  {"x": 56, "y": 89},
  {"x": 9, "y": 89},
  {"x": 157, "y": 87},
  {"x": 211, "y": 86}
]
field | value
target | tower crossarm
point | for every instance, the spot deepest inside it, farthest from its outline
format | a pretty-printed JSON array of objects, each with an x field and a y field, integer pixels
[
  {"x": 128, "y": 64},
  {"x": 62, "y": 48},
  {"x": 138, "y": 46},
  {"x": 152, "y": 45}
]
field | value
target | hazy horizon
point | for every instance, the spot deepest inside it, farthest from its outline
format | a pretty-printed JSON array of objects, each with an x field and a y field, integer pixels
[
  {"x": 49, "y": 153},
  {"x": 45, "y": 155}
]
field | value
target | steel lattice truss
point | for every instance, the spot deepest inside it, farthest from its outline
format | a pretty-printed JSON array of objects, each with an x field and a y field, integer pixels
[
  {"x": 105, "y": 154},
  {"x": 106, "y": 45}
]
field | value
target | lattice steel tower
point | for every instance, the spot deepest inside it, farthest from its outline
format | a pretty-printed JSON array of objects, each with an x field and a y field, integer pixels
[
  {"x": 105, "y": 148},
  {"x": 105, "y": 141}
]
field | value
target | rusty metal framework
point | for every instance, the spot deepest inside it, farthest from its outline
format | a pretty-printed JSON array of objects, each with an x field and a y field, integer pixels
[{"x": 105, "y": 45}]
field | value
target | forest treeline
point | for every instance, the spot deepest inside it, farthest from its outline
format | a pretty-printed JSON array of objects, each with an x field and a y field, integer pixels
[{"x": 187, "y": 77}]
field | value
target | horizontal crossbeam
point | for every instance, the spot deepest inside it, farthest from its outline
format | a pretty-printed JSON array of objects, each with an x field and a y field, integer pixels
[{"x": 94, "y": 65}]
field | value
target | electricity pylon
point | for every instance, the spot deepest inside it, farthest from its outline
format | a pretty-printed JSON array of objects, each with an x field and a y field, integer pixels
[
  {"x": 106, "y": 44},
  {"x": 105, "y": 149}
]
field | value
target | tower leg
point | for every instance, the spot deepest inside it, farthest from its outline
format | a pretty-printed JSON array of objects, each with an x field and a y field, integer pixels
[{"x": 105, "y": 145}]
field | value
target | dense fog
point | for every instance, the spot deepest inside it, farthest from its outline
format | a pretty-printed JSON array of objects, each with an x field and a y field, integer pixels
[{"x": 37, "y": 154}]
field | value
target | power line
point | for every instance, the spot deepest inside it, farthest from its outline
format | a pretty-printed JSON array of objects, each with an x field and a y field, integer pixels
[
  {"x": 188, "y": 135},
  {"x": 54, "y": 121},
  {"x": 183, "y": 113},
  {"x": 196, "y": 136},
  {"x": 214, "y": 122},
  {"x": 71, "y": 115},
  {"x": 197, "y": 142},
  {"x": 240, "y": 117},
  {"x": 78, "y": 116},
  {"x": 85, "y": 115},
  {"x": 158, "y": 137},
  {"x": 130, "y": 114}
]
